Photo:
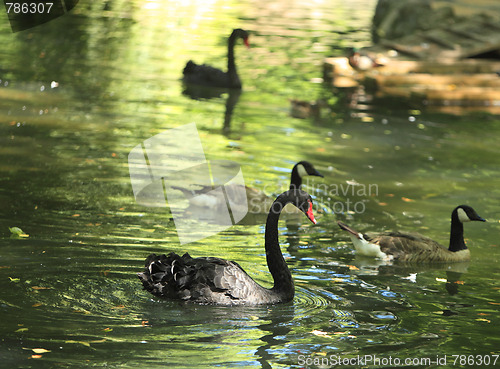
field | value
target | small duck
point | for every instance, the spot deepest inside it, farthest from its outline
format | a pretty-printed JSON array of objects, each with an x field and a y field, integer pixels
[
  {"x": 413, "y": 247},
  {"x": 361, "y": 62},
  {"x": 306, "y": 109}
]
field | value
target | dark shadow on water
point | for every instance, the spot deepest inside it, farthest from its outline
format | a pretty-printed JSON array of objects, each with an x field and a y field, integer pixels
[{"x": 197, "y": 92}]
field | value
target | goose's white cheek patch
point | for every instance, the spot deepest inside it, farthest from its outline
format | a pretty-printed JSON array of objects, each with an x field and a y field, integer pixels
[
  {"x": 462, "y": 215},
  {"x": 301, "y": 170}
]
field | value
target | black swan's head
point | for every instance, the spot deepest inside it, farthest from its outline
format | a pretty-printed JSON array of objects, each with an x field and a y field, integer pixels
[
  {"x": 301, "y": 199},
  {"x": 241, "y": 33}
]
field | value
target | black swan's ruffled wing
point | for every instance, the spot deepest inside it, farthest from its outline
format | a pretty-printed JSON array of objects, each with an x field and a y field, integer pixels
[{"x": 204, "y": 280}]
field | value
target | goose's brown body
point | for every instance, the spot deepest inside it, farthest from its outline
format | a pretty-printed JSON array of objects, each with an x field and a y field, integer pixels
[{"x": 414, "y": 248}]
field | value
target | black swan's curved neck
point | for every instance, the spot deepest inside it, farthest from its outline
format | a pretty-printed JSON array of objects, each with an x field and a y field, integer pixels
[
  {"x": 231, "y": 65},
  {"x": 457, "y": 242},
  {"x": 283, "y": 282}
]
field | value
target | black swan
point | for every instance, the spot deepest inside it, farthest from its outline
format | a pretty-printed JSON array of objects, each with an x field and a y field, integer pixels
[
  {"x": 413, "y": 247},
  {"x": 206, "y": 75},
  {"x": 210, "y": 280}
]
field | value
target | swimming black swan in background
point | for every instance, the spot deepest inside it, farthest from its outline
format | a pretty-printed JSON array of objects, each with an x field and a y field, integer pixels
[
  {"x": 413, "y": 247},
  {"x": 210, "y": 280},
  {"x": 206, "y": 75}
]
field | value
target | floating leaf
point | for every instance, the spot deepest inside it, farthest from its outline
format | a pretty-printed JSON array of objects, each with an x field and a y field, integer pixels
[
  {"x": 36, "y": 356},
  {"x": 412, "y": 277},
  {"x": 40, "y": 350},
  {"x": 321, "y": 333},
  {"x": 17, "y": 232},
  {"x": 406, "y": 199},
  {"x": 15, "y": 280},
  {"x": 353, "y": 267},
  {"x": 21, "y": 330},
  {"x": 84, "y": 343},
  {"x": 483, "y": 320},
  {"x": 37, "y": 305},
  {"x": 41, "y": 288},
  {"x": 81, "y": 311},
  {"x": 107, "y": 329}
]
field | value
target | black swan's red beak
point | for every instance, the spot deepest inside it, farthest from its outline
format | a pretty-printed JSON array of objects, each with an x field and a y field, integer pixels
[
  {"x": 310, "y": 214},
  {"x": 245, "y": 40}
]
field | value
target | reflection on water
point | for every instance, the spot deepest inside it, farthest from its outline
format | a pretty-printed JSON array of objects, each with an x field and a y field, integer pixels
[
  {"x": 70, "y": 288},
  {"x": 231, "y": 96}
]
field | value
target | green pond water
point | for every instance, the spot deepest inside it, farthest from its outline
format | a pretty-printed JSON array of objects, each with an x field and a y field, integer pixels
[{"x": 79, "y": 93}]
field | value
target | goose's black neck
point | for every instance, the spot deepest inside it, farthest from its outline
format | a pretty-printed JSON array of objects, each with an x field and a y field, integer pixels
[
  {"x": 457, "y": 242},
  {"x": 283, "y": 282},
  {"x": 296, "y": 179}
]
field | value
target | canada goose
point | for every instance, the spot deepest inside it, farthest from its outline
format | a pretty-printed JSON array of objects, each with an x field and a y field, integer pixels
[
  {"x": 413, "y": 247},
  {"x": 210, "y": 280},
  {"x": 206, "y": 75}
]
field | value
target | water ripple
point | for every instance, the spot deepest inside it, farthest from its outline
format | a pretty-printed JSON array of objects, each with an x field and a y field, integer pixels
[{"x": 309, "y": 300}]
